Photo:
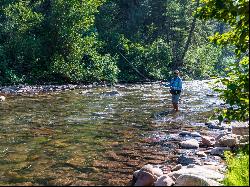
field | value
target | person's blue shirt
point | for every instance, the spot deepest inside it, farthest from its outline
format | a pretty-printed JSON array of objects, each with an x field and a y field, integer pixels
[{"x": 175, "y": 83}]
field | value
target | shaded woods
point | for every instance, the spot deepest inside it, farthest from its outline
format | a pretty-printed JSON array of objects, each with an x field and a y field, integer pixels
[{"x": 70, "y": 41}]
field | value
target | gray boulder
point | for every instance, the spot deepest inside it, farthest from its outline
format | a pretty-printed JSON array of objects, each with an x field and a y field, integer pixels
[
  {"x": 198, "y": 171},
  {"x": 186, "y": 160},
  {"x": 219, "y": 151},
  {"x": 195, "y": 180}
]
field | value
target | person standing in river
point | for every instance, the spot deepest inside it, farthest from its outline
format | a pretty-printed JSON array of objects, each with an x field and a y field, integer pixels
[{"x": 175, "y": 89}]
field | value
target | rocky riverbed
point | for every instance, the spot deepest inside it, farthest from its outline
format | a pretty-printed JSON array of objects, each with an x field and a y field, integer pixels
[
  {"x": 199, "y": 156},
  {"x": 100, "y": 135}
]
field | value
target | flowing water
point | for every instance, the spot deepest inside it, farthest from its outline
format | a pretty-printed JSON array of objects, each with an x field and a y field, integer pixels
[{"x": 91, "y": 137}]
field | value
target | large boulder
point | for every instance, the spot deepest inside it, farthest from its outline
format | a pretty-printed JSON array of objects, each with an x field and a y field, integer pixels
[
  {"x": 147, "y": 175},
  {"x": 195, "y": 180},
  {"x": 198, "y": 171},
  {"x": 229, "y": 140},
  {"x": 190, "y": 144}
]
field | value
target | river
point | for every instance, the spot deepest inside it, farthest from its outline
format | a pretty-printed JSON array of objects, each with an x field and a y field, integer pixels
[{"x": 89, "y": 137}]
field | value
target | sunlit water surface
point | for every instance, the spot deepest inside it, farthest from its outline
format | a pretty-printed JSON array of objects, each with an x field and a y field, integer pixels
[{"x": 92, "y": 138}]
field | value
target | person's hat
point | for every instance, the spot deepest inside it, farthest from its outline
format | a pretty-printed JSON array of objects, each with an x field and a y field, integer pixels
[{"x": 177, "y": 71}]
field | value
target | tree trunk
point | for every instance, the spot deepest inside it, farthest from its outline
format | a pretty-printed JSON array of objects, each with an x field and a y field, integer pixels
[{"x": 180, "y": 64}]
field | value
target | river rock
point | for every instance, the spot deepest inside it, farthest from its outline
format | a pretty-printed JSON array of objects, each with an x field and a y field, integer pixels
[
  {"x": 2, "y": 98},
  {"x": 111, "y": 93},
  {"x": 184, "y": 133},
  {"x": 201, "y": 154},
  {"x": 244, "y": 139},
  {"x": 177, "y": 167},
  {"x": 240, "y": 130},
  {"x": 190, "y": 144},
  {"x": 195, "y": 180},
  {"x": 219, "y": 151},
  {"x": 207, "y": 141},
  {"x": 198, "y": 171},
  {"x": 147, "y": 175},
  {"x": 227, "y": 141},
  {"x": 164, "y": 180},
  {"x": 186, "y": 160},
  {"x": 214, "y": 124},
  {"x": 195, "y": 134}
]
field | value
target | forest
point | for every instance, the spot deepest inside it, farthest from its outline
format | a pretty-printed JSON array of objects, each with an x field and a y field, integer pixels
[
  {"x": 60, "y": 127},
  {"x": 72, "y": 41}
]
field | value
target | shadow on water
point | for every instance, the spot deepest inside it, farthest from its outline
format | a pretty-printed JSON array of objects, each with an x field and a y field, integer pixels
[{"x": 91, "y": 138}]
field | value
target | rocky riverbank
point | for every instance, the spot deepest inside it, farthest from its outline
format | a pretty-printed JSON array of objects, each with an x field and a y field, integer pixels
[
  {"x": 200, "y": 158},
  {"x": 40, "y": 89}
]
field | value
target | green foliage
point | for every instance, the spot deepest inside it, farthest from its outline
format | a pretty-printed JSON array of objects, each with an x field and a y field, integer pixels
[
  {"x": 236, "y": 92},
  {"x": 52, "y": 41},
  {"x": 236, "y": 14},
  {"x": 103, "y": 40},
  {"x": 201, "y": 62},
  {"x": 151, "y": 60},
  {"x": 238, "y": 169}
]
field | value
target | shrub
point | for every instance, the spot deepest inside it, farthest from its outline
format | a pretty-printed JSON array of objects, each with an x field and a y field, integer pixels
[{"x": 238, "y": 168}]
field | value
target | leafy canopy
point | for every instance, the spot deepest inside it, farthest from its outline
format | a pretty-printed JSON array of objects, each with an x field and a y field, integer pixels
[{"x": 236, "y": 14}]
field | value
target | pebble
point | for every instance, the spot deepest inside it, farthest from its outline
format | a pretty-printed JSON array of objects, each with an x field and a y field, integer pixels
[{"x": 2, "y": 98}]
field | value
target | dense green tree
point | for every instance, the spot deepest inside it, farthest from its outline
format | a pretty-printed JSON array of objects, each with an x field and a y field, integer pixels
[
  {"x": 104, "y": 40},
  {"x": 52, "y": 41},
  {"x": 236, "y": 14}
]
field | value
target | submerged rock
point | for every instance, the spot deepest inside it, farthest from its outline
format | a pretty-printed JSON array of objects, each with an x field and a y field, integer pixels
[
  {"x": 195, "y": 134},
  {"x": 111, "y": 93},
  {"x": 214, "y": 124}
]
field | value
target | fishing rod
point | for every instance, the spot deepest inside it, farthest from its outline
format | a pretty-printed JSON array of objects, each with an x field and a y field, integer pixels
[{"x": 134, "y": 68}]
